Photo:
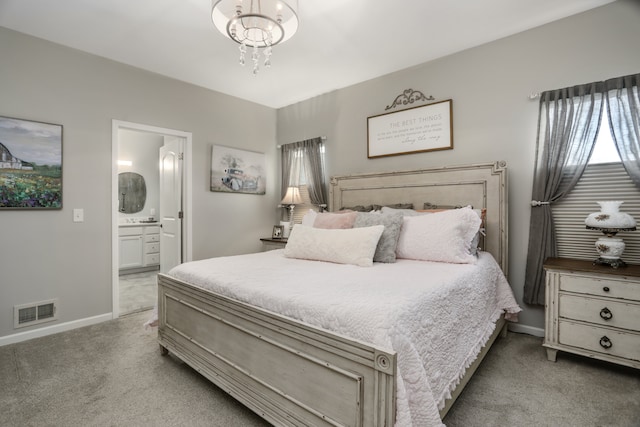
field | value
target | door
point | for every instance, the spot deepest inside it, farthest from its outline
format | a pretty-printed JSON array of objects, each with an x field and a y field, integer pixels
[{"x": 171, "y": 202}]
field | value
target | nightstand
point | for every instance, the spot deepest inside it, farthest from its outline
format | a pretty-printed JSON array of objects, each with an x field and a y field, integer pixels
[
  {"x": 592, "y": 310},
  {"x": 269, "y": 244}
]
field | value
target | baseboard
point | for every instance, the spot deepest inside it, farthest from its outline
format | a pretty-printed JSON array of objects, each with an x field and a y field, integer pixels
[
  {"x": 524, "y": 329},
  {"x": 67, "y": 326},
  {"x": 54, "y": 329}
]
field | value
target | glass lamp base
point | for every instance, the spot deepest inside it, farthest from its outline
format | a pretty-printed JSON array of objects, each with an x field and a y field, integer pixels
[{"x": 615, "y": 263}]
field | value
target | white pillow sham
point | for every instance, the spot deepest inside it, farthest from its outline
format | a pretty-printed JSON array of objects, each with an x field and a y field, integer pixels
[
  {"x": 442, "y": 236},
  {"x": 411, "y": 212},
  {"x": 343, "y": 246},
  {"x": 309, "y": 218}
]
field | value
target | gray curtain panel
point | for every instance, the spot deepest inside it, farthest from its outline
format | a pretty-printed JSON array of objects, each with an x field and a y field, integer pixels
[
  {"x": 568, "y": 124},
  {"x": 287, "y": 157},
  {"x": 313, "y": 167},
  {"x": 623, "y": 106}
]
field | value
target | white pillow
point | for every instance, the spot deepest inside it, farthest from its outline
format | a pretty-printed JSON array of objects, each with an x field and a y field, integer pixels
[
  {"x": 309, "y": 218},
  {"x": 343, "y": 246},
  {"x": 442, "y": 236}
]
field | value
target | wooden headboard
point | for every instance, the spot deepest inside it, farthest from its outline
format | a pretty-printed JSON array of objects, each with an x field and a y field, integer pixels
[{"x": 479, "y": 185}]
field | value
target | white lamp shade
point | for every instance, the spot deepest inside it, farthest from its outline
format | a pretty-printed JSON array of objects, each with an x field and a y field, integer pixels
[
  {"x": 292, "y": 197},
  {"x": 610, "y": 218}
]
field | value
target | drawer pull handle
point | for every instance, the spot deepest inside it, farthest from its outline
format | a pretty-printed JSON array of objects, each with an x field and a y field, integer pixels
[
  {"x": 606, "y": 314},
  {"x": 606, "y": 289},
  {"x": 605, "y": 342}
]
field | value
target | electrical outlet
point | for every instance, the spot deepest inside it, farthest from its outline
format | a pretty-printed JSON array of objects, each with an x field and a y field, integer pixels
[{"x": 78, "y": 215}]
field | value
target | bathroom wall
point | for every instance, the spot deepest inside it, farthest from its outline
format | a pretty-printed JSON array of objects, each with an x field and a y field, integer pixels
[{"x": 141, "y": 148}]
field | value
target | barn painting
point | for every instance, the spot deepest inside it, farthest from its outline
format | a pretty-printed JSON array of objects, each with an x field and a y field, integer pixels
[
  {"x": 30, "y": 164},
  {"x": 237, "y": 171}
]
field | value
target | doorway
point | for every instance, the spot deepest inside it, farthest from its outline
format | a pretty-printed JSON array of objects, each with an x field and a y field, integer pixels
[{"x": 149, "y": 218}]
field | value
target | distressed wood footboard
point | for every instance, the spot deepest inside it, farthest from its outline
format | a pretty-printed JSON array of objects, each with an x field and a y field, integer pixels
[{"x": 288, "y": 372}]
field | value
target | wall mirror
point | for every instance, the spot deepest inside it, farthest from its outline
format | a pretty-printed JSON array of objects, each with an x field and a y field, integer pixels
[{"x": 132, "y": 192}]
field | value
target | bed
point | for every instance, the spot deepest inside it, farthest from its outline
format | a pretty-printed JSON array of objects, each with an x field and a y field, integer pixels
[{"x": 320, "y": 351}]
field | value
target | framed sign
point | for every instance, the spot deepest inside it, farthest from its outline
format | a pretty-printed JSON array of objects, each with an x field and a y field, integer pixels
[
  {"x": 30, "y": 164},
  {"x": 414, "y": 130}
]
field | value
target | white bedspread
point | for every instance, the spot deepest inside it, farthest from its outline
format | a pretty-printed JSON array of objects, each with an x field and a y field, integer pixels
[{"x": 436, "y": 316}]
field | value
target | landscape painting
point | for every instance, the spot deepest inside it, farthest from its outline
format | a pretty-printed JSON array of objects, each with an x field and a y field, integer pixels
[
  {"x": 30, "y": 164},
  {"x": 237, "y": 171}
]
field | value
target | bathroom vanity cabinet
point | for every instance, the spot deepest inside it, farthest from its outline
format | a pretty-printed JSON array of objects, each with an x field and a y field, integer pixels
[{"x": 139, "y": 247}]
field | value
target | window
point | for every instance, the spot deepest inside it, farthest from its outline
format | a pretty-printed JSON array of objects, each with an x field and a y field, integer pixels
[
  {"x": 298, "y": 167},
  {"x": 604, "y": 179},
  {"x": 300, "y": 158},
  {"x": 605, "y": 150}
]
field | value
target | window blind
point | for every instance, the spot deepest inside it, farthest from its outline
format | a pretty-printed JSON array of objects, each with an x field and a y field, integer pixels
[
  {"x": 303, "y": 208},
  {"x": 600, "y": 182}
]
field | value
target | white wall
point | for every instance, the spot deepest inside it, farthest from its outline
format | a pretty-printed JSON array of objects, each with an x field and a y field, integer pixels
[
  {"x": 493, "y": 119},
  {"x": 43, "y": 254}
]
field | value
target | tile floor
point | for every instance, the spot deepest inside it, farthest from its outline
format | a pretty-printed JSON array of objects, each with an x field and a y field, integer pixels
[{"x": 138, "y": 291}]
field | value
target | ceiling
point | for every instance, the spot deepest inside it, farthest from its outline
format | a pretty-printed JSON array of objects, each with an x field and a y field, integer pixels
[{"x": 339, "y": 42}]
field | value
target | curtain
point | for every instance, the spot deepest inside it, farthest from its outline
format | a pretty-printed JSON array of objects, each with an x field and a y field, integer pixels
[
  {"x": 568, "y": 125},
  {"x": 303, "y": 162},
  {"x": 314, "y": 171},
  {"x": 287, "y": 156},
  {"x": 623, "y": 102}
]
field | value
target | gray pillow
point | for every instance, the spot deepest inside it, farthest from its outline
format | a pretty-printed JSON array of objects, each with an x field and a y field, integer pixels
[
  {"x": 386, "y": 249},
  {"x": 359, "y": 208},
  {"x": 394, "y": 206},
  {"x": 404, "y": 212}
]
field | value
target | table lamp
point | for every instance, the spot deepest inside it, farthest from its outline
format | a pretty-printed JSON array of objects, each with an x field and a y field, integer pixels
[
  {"x": 610, "y": 221},
  {"x": 290, "y": 200}
]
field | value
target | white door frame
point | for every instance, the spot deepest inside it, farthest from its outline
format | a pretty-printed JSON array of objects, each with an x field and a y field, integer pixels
[{"x": 187, "y": 220}]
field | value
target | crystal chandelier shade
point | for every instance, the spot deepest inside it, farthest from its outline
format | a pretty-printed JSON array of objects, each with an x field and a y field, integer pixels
[{"x": 257, "y": 24}]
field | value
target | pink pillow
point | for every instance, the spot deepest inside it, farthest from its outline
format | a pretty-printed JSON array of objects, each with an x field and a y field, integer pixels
[{"x": 335, "y": 220}]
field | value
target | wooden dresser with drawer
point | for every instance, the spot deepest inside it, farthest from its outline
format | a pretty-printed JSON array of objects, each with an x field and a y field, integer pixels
[{"x": 592, "y": 310}]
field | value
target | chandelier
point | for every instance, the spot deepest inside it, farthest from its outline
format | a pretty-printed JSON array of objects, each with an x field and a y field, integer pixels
[{"x": 256, "y": 24}]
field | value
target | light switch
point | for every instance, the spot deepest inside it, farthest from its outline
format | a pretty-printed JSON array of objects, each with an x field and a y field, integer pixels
[{"x": 78, "y": 215}]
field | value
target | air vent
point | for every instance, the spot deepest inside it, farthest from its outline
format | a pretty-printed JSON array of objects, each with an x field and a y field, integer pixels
[{"x": 34, "y": 313}]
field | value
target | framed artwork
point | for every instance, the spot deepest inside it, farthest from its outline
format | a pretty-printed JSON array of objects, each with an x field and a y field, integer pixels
[
  {"x": 414, "y": 130},
  {"x": 278, "y": 232},
  {"x": 30, "y": 164},
  {"x": 237, "y": 171}
]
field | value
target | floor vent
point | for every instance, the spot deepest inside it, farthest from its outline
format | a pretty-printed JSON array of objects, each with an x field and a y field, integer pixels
[{"x": 34, "y": 313}]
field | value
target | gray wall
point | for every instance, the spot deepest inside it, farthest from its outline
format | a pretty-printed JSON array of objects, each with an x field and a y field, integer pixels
[
  {"x": 43, "y": 254},
  {"x": 493, "y": 118}
]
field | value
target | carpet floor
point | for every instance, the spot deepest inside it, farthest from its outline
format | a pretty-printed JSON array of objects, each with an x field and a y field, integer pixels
[{"x": 112, "y": 374}]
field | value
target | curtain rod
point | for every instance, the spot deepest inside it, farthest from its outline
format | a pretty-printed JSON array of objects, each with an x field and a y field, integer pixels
[{"x": 324, "y": 138}]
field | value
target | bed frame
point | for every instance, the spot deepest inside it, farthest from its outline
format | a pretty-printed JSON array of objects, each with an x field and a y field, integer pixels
[{"x": 293, "y": 374}]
